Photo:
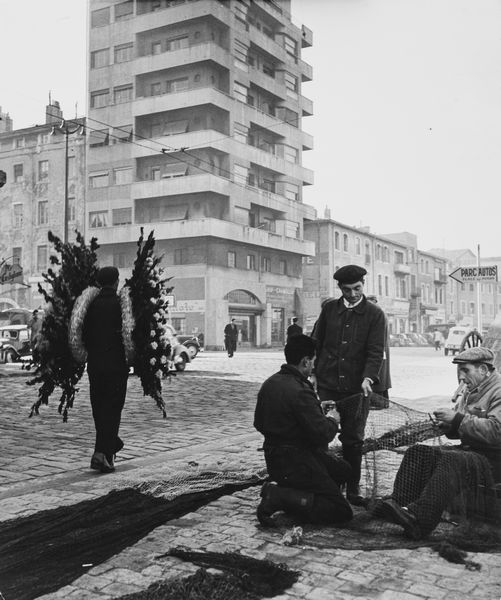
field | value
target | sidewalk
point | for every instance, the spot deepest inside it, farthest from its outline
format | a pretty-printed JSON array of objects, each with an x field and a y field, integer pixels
[{"x": 208, "y": 429}]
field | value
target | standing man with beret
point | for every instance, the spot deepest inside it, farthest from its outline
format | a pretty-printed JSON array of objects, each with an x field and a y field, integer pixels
[
  {"x": 431, "y": 477},
  {"x": 350, "y": 337},
  {"x": 107, "y": 368}
]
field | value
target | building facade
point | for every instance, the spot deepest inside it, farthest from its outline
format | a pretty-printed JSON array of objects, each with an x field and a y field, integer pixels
[
  {"x": 195, "y": 132},
  {"x": 412, "y": 298},
  {"x": 33, "y": 199}
]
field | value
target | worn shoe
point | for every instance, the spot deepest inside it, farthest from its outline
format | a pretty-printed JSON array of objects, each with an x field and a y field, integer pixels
[
  {"x": 267, "y": 506},
  {"x": 402, "y": 516},
  {"x": 99, "y": 462}
]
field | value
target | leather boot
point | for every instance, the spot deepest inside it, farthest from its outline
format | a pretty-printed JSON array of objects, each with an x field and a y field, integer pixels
[
  {"x": 353, "y": 455},
  {"x": 275, "y": 498}
]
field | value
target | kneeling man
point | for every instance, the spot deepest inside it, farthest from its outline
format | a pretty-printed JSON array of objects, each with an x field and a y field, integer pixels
[
  {"x": 305, "y": 480},
  {"x": 430, "y": 478}
]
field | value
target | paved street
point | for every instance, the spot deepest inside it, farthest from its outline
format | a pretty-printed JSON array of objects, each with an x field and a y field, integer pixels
[{"x": 44, "y": 464}]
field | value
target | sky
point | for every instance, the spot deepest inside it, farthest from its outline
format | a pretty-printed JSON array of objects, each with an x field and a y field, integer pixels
[{"x": 406, "y": 96}]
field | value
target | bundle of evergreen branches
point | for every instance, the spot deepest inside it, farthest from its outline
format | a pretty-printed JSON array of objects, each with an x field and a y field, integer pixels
[
  {"x": 56, "y": 366},
  {"x": 149, "y": 305}
]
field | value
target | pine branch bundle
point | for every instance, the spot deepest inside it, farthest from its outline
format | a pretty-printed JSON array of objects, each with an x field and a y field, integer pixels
[
  {"x": 149, "y": 305},
  {"x": 56, "y": 366}
]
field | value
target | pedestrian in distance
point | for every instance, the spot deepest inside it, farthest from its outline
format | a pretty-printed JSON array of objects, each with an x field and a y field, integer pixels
[
  {"x": 35, "y": 327},
  {"x": 383, "y": 386},
  {"x": 305, "y": 480},
  {"x": 350, "y": 336},
  {"x": 431, "y": 478},
  {"x": 106, "y": 367},
  {"x": 294, "y": 329},
  {"x": 438, "y": 339},
  {"x": 231, "y": 337}
]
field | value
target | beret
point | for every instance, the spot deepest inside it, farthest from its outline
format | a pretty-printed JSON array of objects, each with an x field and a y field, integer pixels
[
  {"x": 350, "y": 274},
  {"x": 475, "y": 355},
  {"x": 107, "y": 276}
]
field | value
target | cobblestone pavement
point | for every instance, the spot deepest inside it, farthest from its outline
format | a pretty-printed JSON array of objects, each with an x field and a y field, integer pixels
[{"x": 44, "y": 464}]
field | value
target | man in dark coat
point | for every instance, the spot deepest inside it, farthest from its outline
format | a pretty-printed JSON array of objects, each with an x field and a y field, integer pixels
[
  {"x": 231, "y": 337},
  {"x": 305, "y": 479},
  {"x": 350, "y": 336},
  {"x": 106, "y": 367},
  {"x": 294, "y": 329}
]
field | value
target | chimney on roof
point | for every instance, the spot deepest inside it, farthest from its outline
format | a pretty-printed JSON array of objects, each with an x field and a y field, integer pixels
[
  {"x": 53, "y": 113},
  {"x": 327, "y": 213}
]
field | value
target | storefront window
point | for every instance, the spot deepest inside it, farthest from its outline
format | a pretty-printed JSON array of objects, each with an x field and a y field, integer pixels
[{"x": 277, "y": 325}]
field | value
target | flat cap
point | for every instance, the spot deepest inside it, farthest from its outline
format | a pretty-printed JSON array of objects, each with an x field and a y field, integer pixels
[
  {"x": 107, "y": 276},
  {"x": 475, "y": 355},
  {"x": 350, "y": 274}
]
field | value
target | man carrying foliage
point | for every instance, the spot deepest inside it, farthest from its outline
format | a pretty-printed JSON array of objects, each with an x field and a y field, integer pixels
[
  {"x": 106, "y": 367},
  {"x": 430, "y": 478}
]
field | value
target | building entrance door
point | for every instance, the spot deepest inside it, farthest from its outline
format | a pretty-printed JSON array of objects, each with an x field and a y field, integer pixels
[{"x": 246, "y": 325}]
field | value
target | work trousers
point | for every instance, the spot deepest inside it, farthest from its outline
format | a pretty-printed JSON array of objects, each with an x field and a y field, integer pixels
[
  {"x": 353, "y": 410},
  {"x": 107, "y": 398},
  {"x": 314, "y": 472},
  {"x": 433, "y": 479},
  {"x": 230, "y": 346}
]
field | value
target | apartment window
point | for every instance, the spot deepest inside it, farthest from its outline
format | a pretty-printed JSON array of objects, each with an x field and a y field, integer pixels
[
  {"x": 240, "y": 174},
  {"x": 121, "y": 216},
  {"x": 124, "y": 10},
  {"x": 43, "y": 170},
  {"x": 472, "y": 308},
  {"x": 239, "y": 92},
  {"x": 282, "y": 267},
  {"x": 122, "y": 134},
  {"x": 380, "y": 285},
  {"x": 122, "y": 94},
  {"x": 99, "y": 98},
  {"x": 155, "y": 173},
  {"x": 345, "y": 242},
  {"x": 180, "y": 256},
  {"x": 292, "y": 192},
  {"x": 232, "y": 259},
  {"x": 265, "y": 264},
  {"x": 72, "y": 209},
  {"x": 175, "y": 127},
  {"x": 123, "y": 52},
  {"x": 99, "y": 180},
  {"x": 19, "y": 142},
  {"x": 156, "y": 47},
  {"x": 378, "y": 251},
  {"x": 251, "y": 262},
  {"x": 98, "y": 218},
  {"x": 367, "y": 253},
  {"x": 177, "y": 43},
  {"x": 241, "y": 52},
  {"x": 290, "y": 46},
  {"x": 41, "y": 258},
  {"x": 123, "y": 176},
  {"x": 240, "y": 132},
  {"x": 17, "y": 255},
  {"x": 386, "y": 254},
  {"x": 100, "y": 58},
  {"x": 17, "y": 212},
  {"x": 71, "y": 166},
  {"x": 176, "y": 85},
  {"x": 399, "y": 257},
  {"x": 100, "y": 17},
  {"x": 18, "y": 173},
  {"x": 291, "y": 85},
  {"x": 268, "y": 70},
  {"x": 463, "y": 307},
  {"x": 178, "y": 169},
  {"x": 290, "y": 154},
  {"x": 240, "y": 12},
  {"x": 358, "y": 246},
  {"x": 120, "y": 260},
  {"x": 43, "y": 212},
  {"x": 155, "y": 89}
]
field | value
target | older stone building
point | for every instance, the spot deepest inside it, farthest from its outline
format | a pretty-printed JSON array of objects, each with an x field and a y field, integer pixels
[{"x": 33, "y": 199}]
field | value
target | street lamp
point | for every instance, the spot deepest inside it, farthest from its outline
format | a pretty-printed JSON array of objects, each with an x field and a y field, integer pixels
[{"x": 65, "y": 128}]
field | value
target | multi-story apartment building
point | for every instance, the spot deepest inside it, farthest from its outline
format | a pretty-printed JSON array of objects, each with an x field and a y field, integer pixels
[
  {"x": 196, "y": 112},
  {"x": 410, "y": 296},
  {"x": 33, "y": 199}
]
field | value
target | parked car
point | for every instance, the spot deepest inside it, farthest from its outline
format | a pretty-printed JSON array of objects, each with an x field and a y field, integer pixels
[
  {"x": 15, "y": 316},
  {"x": 191, "y": 342},
  {"x": 399, "y": 339},
  {"x": 180, "y": 355},
  {"x": 455, "y": 339},
  {"x": 417, "y": 338},
  {"x": 14, "y": 343}
]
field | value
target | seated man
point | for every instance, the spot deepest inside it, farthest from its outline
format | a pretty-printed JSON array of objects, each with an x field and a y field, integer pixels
[
  {"x": 305, "y": 480},
  {"x": 430, "y": 478}
]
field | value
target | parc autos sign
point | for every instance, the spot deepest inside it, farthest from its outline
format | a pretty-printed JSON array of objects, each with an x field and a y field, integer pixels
[{"x": 468, "y": 274}]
